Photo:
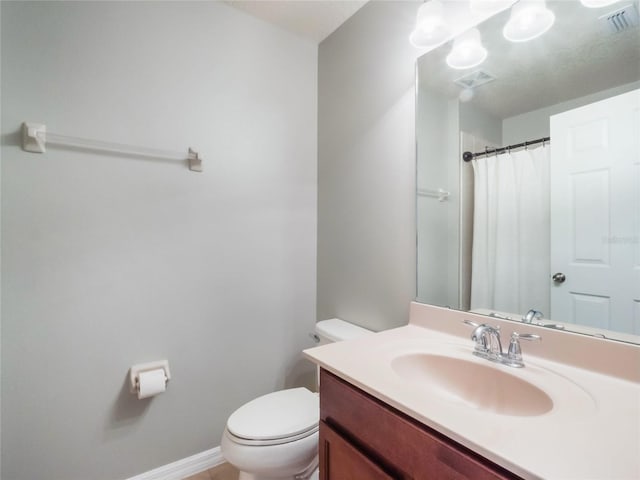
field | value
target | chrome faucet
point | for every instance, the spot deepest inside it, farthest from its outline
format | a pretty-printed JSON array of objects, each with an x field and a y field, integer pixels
[
  {"x": 532, "y": 315},
  {"x": 488, "y": 344},
  {"x": 487, "y": 339},
  {"x": 491, "y": 337}
]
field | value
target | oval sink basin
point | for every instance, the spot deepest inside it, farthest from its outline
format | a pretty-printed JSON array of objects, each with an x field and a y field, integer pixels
[{"x": 480, "y": 386}]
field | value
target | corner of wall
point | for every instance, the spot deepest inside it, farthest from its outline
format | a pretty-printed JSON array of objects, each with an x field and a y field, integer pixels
[{"x": 366, "y": 168}]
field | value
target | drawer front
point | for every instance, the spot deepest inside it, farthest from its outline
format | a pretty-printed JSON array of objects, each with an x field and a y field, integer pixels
[{"x": 400, "y": 443}]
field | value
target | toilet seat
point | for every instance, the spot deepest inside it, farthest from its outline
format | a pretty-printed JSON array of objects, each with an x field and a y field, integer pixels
[
  {"x": 266, "y": 443},
  {"x": 276, "y": 418}
]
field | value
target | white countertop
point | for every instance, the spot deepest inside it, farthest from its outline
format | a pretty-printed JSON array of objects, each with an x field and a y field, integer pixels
[{"x": 591, "y": 432}]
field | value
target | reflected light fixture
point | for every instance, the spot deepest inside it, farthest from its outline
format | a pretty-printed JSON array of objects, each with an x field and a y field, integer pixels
[
  {"x": 597, "y": 3},
  {"x": 431, "y": 27},
  {"x": 467, "y": 51},
  {"x": 529, "y": 19}
]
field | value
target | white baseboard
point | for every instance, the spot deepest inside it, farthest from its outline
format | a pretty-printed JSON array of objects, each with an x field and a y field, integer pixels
[{"x": 185, "y": 467}]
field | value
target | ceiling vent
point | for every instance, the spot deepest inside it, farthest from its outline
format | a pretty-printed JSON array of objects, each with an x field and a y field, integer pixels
[
  {"x": 474, "y": 79},
  {"x": 622, "y": 19}
]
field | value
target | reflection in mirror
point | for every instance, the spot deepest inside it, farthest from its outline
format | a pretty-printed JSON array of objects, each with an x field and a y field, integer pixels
[{"x": 552, "y": 226}]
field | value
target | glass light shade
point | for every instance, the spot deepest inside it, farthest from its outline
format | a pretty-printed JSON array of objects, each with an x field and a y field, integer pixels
[
  {"x": 467, "y": 51},
  {"x": 597, "y": 3},
  {"x": 431, "y": 27},
  {"x": 529, "y": 19}
]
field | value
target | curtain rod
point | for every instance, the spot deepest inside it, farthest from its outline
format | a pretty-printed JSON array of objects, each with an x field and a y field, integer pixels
[{"x": 468, "y": 156}]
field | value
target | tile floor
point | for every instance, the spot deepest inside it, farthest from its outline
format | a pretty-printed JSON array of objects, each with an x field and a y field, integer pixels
[{"x": 221, "y": 472}]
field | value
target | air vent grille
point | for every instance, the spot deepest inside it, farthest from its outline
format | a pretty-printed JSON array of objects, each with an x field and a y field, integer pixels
[
  {"x": 620, "y": 20},
  {"x": 474, "y": 79}
]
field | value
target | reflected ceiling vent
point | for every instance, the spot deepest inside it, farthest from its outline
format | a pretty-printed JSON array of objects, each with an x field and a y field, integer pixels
[
  {"x": 474, "y": 79},
  {"x": 620, "y": 20}
]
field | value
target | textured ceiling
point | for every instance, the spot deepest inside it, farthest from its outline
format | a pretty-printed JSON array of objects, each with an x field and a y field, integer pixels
[
  {"x": 573, "y": 59},
  {"x": 312, "y": 19}
]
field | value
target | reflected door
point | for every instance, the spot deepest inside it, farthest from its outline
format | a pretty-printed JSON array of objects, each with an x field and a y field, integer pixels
[{"x": 595, "y": 214}]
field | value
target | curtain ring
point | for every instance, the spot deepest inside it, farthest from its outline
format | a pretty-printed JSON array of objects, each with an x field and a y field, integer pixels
[
  {"x": 544, "y": 142},
  {"x": 526, "y": 145},
  {"x": 486, "y": 151}
]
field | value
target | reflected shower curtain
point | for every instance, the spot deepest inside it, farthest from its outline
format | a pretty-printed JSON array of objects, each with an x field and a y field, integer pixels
[{"x": 510, "y": 256}]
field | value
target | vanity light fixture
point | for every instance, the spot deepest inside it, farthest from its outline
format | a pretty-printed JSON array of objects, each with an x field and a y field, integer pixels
[
  {"x": 431, "y": 27},
  {"x": 467, "y": 51},
  {"x": 597, "y": 3},
  {"x": 529, "y": 19}
]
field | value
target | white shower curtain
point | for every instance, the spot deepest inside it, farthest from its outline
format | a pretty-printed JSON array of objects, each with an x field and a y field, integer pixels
[{"x": 510, "y": 259}]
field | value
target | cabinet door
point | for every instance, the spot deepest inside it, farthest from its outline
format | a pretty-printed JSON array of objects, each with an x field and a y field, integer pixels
[{"x": 339, "y": 460}]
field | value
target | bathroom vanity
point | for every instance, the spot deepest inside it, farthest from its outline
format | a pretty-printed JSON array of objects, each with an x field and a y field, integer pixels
[
  {"x": 414, "y": 402},
  {"x": 369, "y": 439}
]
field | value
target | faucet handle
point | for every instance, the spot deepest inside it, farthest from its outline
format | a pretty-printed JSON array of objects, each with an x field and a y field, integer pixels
[
  {"x": 469, "y": 322},
  {"x": 476, "y": 324},
  {"x": 514, "y": 355},
  {"x": 526, "y": 336},
  {"x": 479, "y": 336},
  {"x": 481, "y": 345}
]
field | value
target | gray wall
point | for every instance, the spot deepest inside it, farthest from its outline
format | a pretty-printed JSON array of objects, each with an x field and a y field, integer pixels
[
  {"x": 480, "y": 124},
  {"x": 366, "y": 167},
  {"x": 535, "y": 124},
  {"x": 437, "y": 168},
  {"x": 110, "y": 261},
  {"x": 444, "y": 258}
]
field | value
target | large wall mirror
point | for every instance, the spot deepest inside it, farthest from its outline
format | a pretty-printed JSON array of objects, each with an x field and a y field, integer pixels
[{"x": 553, "y": 225}]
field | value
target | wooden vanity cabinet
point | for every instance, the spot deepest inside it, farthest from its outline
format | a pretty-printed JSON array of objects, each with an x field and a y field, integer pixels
[{"x": 362, "y": 438}]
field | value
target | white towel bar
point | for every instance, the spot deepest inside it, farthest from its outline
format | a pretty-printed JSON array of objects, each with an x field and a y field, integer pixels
[
  {"x": 35, "y": 137},
  {"x": 440, "y": 194}
]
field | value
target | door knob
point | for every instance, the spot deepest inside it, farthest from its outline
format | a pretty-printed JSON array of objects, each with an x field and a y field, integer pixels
[{"x": 559, "y": 277}]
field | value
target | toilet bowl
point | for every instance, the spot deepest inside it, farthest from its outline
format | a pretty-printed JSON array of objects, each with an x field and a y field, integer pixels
[{"x": 275, "y": 436}]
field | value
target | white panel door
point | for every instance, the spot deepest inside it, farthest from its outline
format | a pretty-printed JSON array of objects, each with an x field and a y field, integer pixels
[{"x": 595, "y": 214}]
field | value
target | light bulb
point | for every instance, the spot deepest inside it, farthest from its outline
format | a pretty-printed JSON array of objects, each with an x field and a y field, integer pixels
[
  {"x": 529, "y": 19},
  {"x": 431, "y": 27},
  {"x": 467, "y": 51},
  {"x": 466, "y": 95}
]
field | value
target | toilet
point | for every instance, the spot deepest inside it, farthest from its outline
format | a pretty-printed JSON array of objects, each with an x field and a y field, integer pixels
[{"x": 275, "y": 436}]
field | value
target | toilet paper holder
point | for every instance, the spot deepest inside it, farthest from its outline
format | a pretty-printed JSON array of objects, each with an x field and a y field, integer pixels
[{"x": 136, "y": 370}]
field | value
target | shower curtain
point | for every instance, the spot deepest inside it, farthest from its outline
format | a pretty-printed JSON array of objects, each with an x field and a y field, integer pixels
[{"x": 510, "y": 254}]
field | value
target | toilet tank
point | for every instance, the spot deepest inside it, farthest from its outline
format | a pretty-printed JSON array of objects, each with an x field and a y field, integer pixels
[{"x": 336, "y": 330}]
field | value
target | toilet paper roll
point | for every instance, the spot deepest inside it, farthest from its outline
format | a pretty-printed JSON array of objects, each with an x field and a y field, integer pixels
[{"x": 151, "y": 383}]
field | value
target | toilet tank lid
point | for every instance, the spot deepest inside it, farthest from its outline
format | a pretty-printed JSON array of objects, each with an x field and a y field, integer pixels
[{"x": 337, "y": 330}]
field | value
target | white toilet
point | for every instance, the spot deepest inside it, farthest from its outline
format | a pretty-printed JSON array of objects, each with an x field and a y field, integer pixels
[{"x": 275, "y": 437}]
